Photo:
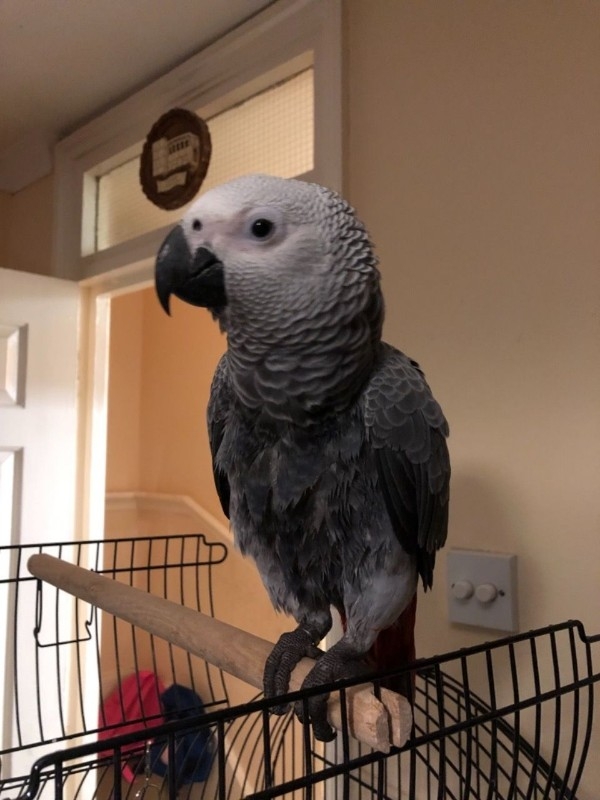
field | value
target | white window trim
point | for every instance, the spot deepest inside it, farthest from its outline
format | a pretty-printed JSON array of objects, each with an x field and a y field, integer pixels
[{"x": 253, "y": 52}]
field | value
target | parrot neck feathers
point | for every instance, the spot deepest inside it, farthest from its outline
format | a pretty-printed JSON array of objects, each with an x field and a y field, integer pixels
[{"x": 305, "y": 369}]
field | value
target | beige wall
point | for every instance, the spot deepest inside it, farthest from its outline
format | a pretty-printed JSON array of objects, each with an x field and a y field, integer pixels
[
  {"x": 125, "y": 394},
  {"x": 26, "y": 228},
  {"x": 161, "y": 369},
  {"x": 472, "y": 154},
  {"x": 180, "y": 354},
  {"x": 5, "y": 200}
]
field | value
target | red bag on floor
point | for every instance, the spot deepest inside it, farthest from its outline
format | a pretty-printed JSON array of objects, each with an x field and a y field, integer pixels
[{"x": 133, "y": 706}]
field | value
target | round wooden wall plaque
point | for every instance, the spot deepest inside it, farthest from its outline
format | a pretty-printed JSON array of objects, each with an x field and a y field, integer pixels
[{"x": 175, "y": 159}]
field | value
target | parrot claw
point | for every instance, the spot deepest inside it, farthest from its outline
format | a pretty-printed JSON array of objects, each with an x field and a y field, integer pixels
[
  {"x": 331, "y": 667},
  {"x": 289, "y": 650}
]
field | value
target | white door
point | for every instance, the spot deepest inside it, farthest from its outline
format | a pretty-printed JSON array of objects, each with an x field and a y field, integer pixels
[
  {"x": 39, "y": 319},
  {"x": 39, "y": 332}
]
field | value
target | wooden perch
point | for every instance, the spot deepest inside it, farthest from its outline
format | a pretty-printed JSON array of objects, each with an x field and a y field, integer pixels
[{"x": 378, "y": 724}]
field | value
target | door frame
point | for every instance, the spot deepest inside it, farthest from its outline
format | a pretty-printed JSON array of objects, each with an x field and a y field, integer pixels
[{"x": 97, "y": 295}]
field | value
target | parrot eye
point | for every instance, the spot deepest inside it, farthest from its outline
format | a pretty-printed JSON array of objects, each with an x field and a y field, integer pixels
[
  {"x": 261, "y": 228},
  {"x": 264, "y": 225},
  {"x": 197, "y": 225}
]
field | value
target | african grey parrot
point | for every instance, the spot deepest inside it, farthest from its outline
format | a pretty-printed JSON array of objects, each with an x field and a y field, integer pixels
[{"x": 329, "y": 450}]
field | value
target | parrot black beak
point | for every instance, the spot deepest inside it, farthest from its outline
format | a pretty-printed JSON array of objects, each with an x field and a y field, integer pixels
[{"x": 194, "y": 278}]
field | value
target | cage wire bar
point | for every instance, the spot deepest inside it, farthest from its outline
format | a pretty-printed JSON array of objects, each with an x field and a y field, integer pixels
[{"x": 511, "y": 719}]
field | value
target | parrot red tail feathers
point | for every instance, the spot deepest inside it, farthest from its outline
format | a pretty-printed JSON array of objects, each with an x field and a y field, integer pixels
[{"x": 395, "y": 648}]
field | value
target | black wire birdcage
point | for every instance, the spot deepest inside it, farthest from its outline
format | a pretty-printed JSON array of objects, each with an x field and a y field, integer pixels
[{"x": 502, "y": 720}]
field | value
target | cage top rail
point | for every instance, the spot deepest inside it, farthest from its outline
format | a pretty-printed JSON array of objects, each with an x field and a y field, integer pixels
[
  {"x": 81, "y": 543},
  {"x": 173, "y": 545}
]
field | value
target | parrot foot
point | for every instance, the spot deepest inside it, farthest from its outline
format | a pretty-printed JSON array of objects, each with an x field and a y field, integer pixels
[
  {"x": 290, "y": 649},
  {"x": 332, "y": 666}
]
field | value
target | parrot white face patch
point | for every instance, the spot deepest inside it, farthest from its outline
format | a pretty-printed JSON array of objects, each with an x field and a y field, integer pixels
[{"x": 250, "y": 235}]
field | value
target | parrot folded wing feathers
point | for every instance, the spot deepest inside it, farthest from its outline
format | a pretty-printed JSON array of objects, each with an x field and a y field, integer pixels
[{"x": 407, "y": 430}]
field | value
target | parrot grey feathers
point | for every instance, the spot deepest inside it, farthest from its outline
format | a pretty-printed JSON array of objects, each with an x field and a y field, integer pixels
[{"x": 329, "y": 450}]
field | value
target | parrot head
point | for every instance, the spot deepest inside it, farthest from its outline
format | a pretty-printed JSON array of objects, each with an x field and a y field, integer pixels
[
  {"x": 289, "y": 273},
  {"x": 266, "y": 245}
]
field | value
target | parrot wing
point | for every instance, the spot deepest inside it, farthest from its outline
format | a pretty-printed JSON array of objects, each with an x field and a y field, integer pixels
[
  {"x": 217, "y": 415},
  {"x": 407, "y": 431}
]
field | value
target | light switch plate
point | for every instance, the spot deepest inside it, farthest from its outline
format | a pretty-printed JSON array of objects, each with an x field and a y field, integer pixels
[{"x": 480, "y": 568}]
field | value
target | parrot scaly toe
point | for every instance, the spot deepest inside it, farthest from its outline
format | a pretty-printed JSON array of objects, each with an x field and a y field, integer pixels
[
  {"x": 332, "y": 666},
  {"x": 290, "y": 649}
]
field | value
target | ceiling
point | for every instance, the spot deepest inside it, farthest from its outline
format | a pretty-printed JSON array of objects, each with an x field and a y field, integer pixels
[{"x": 66, "y": 61}]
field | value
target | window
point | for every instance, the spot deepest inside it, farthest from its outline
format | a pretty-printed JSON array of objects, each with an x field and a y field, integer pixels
[
  {"x": 271, "y": 131},
  {"x": 277, "y": 78}
]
